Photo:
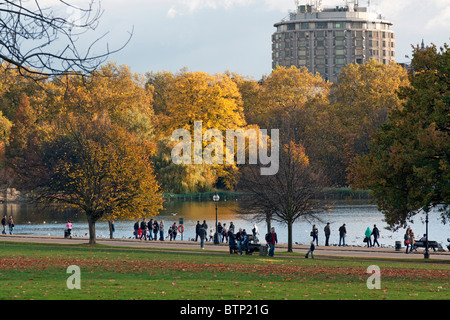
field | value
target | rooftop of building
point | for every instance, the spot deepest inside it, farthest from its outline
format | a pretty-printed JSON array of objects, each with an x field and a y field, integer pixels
[{"x": 351, "y": 11}]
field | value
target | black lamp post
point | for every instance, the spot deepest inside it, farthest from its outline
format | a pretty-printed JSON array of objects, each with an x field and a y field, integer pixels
[
  {"x": 216, "y": 199},
  {"x": 426, "y": 255}
]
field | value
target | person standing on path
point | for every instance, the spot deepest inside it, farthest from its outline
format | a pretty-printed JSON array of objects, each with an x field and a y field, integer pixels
[
  {"x": 69, "y": 227},
  {"x": 311, "y": 250},
  {"x": 202, "y": 235},
  {"x": 271, "y": 239},
  {"x": 197, "y": 230},
  {"x": 406, "y": 240},
  {"x": 4, "y": 225},
  {"x": 342, "y": 235},
  {"x": 376, "y": 235},
  {"x": 161, "y": 230},
  {"x": 327, "y": 232},
  {"x": 155, "y": 230}
]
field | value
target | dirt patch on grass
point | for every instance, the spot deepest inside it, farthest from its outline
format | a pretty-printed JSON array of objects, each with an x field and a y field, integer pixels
[{"x": 261, "y": 269}]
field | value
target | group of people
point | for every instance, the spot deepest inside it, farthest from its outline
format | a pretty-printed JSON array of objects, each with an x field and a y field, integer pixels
[
  {"x": 152, "y": 229},
  {"x": 327, "y": 231},
  {"x": 237, "y": 242},
  {"x": 409, "y": 240},
  {"x": 7, "y": 222}
]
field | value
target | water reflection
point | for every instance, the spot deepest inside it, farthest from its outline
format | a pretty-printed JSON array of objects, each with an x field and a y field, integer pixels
[{"x": 357, "y": 215}]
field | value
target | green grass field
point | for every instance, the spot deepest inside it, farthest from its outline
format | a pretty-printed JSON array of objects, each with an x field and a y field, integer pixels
[{"x": 32, "y": 271}]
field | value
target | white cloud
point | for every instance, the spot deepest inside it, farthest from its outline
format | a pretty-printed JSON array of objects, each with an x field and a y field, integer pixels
[{"x": 183, "y": 7}]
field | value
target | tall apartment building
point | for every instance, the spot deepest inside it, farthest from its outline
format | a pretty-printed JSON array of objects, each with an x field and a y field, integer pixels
[{"x": 326, "y": 39}]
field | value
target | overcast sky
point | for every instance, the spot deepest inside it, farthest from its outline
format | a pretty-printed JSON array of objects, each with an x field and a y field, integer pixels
[{"x": 218, "y": 35}]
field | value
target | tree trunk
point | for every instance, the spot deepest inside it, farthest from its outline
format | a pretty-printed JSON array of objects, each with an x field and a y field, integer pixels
[
  {"x": 111, "y": 233},
  {"x": 289, "y": 225},
  {"x": 268, "y": 223},
  {"x": 91, "y": 222}
]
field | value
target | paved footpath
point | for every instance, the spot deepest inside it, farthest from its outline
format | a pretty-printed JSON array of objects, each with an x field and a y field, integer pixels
[{"x": 321, "y": 251}]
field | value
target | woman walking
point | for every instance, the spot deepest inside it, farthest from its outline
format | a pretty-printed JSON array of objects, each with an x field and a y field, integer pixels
[{"x": 315, "y": 234}]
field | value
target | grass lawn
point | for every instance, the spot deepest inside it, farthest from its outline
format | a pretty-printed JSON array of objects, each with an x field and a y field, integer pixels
[{"x": 33, "y": 271}]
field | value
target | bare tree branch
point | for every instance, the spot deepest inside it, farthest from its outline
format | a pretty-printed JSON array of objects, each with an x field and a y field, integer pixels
[{"x": 46, "y": 41}]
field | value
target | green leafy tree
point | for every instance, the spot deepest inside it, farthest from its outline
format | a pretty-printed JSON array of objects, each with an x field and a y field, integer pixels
[{"x": 408, "y": 168}]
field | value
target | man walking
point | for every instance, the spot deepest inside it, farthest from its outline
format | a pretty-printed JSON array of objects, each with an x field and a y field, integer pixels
[
  {"x": 327, "y": 234},
  {"x": 4, "y": 225},
  {"x": 143, "y": 230},
  {"x": 271, "y": 239},
  {"x": 376, "y": 235},
  {"x": 342, "y": 235}
]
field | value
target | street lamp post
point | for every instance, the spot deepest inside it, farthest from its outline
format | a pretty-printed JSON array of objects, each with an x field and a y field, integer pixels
[
  {"x": 216, "y": 199},
  {"x": 426, "y": 255}
]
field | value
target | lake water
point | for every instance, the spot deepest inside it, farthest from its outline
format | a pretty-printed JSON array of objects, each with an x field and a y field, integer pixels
[{"x": 356, "y": 214}]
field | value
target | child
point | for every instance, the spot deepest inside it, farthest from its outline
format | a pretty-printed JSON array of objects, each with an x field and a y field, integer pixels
[{"x": 311, "y": 250}]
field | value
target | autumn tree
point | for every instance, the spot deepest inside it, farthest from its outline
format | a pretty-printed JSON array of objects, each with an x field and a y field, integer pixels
[
  {"x": 360, "y": 102},
  {"x": 407, "y": 168},
  {"x": 93, "y": 165},
  {"x": 189, "y": 97},
  {"x": 287, "y": 97}
]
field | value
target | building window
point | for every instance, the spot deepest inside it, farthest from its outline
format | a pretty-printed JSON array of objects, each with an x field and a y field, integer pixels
[
  {"x": 320, "y": 43},
  {"x": 339, "y": 33},
  {"x": 304, "y": 25},
  {"x": 302, "y": 43},
  {"x": 321, "y": 25},
  {"x": 339, "y": 60},
  {"x": 291, "y": 26},
  {"x": 339, "y": 42},
  {"x": 339, "y": 25},
  {"x": 340, "y": 51}
]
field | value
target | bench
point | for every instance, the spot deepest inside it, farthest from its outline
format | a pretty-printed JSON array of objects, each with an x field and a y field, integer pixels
[{"x": 431, "y": 244}]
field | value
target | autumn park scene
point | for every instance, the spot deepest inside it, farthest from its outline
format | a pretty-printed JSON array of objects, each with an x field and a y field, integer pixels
[{"x": 119, "y": 169}]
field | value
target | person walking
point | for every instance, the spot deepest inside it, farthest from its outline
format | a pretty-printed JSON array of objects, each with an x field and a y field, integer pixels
[
  {"x": 327, "y": 233},
  {"x": 150, "y": 229},
  {"x": 315, "y": 234},
  {"x": 136, "y": 229},
  {"x": 143, "y": 230},
  {"x": 11, "y": 224},
  {"x": 4, "y": 219},
  {"x": 368, "y": 237},
  {"x": 202, "y": 235},
  {"x": 272, "y": 240},
  {"x": 376, "y": 235},
  {"x": 174, "y": 231},
  {"x": 311, "y": 250},
  {"x": 342, "y": 235},
  {"x": 69, "y": 227},
  {"x": 197, "y": 230}
]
